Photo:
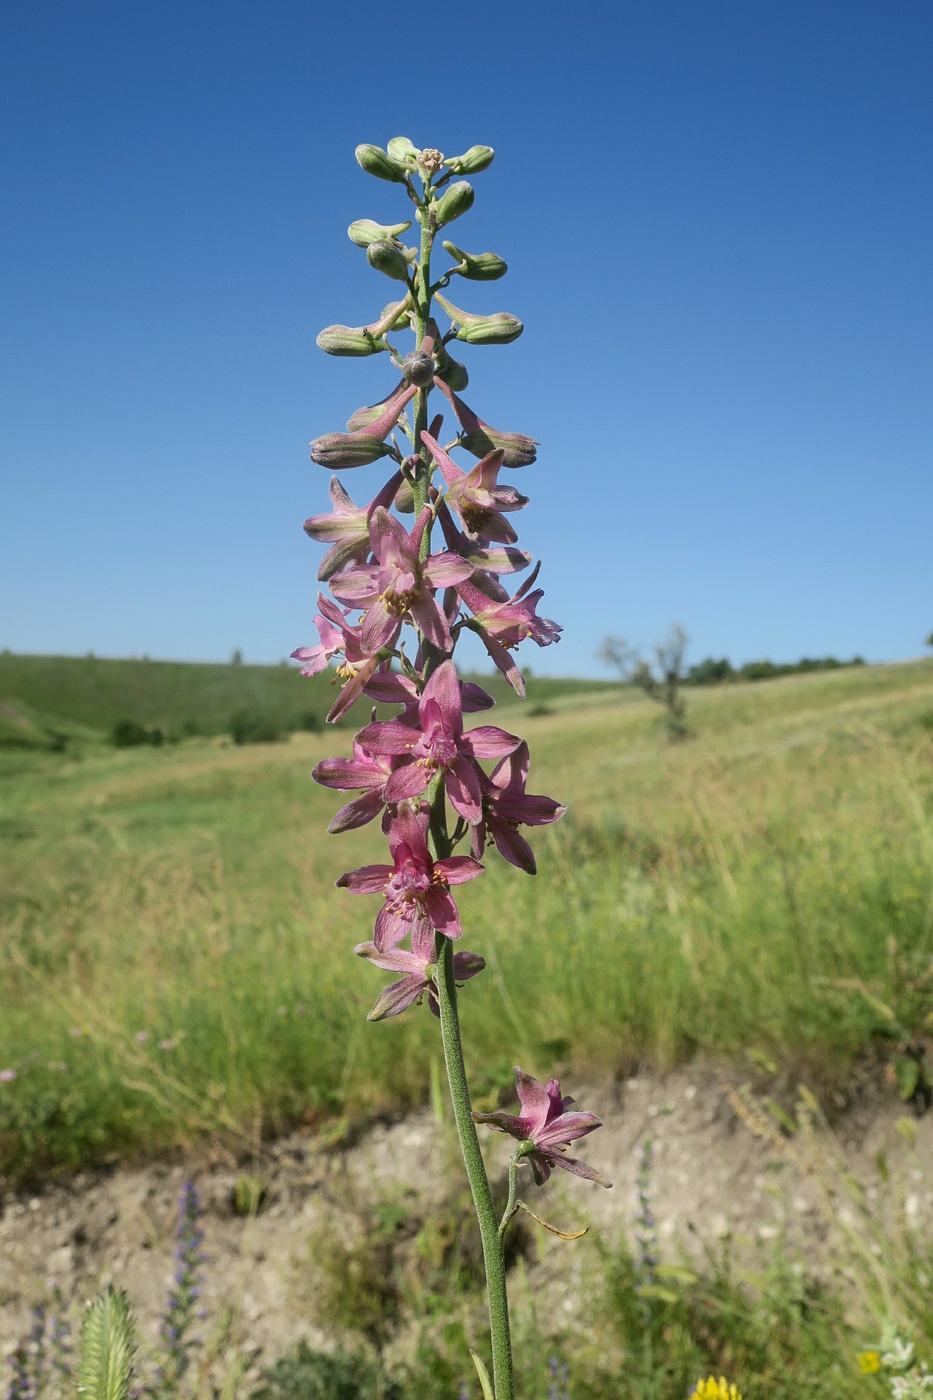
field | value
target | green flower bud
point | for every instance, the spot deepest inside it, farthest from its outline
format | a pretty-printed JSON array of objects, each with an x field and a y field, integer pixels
[
  {"x": 498, "y": 329},
  {"x": 402, "y": 150},
  {"x": 477, "y": 158},
  {"x": 388, "y": 258},
  {"x": 349, "y": 340},
  {"x": 405, "y": 499},
  {"x": 392, "y": 317},
  {"x": 519, "y": 450},
  {"x": 418, "y": 369},
  {"x": 455, "y": 200},
  {"x": 374, "y": 161},
  {"x": 478, "y": 267},
  {"x": 453, "y": 373},
  {"x": 336, "y": 450},
  {"x": 366, "y": 231}
]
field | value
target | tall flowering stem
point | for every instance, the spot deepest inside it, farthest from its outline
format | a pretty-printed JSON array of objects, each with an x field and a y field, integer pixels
[{"x": 432, "y": 780}]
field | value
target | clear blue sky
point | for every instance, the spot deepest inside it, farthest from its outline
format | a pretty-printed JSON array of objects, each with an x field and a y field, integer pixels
[{"x": 718, "y": 222}]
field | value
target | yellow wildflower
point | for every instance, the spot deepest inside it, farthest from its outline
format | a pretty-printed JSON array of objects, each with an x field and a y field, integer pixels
[
  {"x": 869, "y": 1362},
  {"x": 715, "y": 1390}
]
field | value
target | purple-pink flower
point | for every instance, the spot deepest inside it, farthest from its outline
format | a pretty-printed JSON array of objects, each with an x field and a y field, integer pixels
[
  {"x": 547, "y": 1126},
  {"x": 477, "y": 497},
  {"x": 365, "y": 772},
  {"x": 346, "y": 527},
  {"x": 418, "y": 971},
  {"x": 435, "y": 741},
  {"x": 506, "y": 806},
  {"x": 399, "y": 584},
  {"x": 416, "y": 887},
  {"x": 338, "y": 635}
]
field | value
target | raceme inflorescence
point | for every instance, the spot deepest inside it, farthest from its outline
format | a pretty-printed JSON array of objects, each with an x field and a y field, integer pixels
[{"x": 428, "y": 559}]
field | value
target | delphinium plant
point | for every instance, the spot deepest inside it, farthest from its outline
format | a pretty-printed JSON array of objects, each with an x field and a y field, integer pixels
[{"x": 402, "y": 596}]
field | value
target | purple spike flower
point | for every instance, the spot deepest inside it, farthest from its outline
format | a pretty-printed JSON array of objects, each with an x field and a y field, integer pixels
[
  {"x": 436, "y": 742},
  {"x": 399, "y": 584},
  {"x": 506, "y": 806},
  {"x": 546, "y": 1127},
  {"x": 416, "y": 887},
  {"x": 418, "y": 971}
]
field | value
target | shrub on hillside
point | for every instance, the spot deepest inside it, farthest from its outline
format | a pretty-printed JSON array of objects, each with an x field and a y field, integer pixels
[
  {"x": 247, "y": 727},
  {"x": 128, "y": 733}
]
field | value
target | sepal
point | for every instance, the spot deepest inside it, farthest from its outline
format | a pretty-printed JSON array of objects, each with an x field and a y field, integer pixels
[
  {"x": 366, "y": 231},
  {"x": 498, "y": 329}
]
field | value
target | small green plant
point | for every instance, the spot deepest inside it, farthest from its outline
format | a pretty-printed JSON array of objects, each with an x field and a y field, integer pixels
[
  {"x": 109, "y": 1349},
  {"x": 303, "y": 1374}
]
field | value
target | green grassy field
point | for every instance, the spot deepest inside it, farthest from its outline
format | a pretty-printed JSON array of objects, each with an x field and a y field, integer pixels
[
  {"x": 176, "y": 959},
  {"x": 81, "y": 698}
]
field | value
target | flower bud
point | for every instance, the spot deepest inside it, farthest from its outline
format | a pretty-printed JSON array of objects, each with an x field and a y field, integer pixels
[
  {"x": 375, "y": 161},
  {"x": 498, "y": 329},
  {"x": 455, "y": 200},
  {"x": 366, "y": 231},
  {"x": 405, "y": 499},
  {"x": 419, "y": 369},
  {"x": 477, "y": 267},
  {"x": 453, "y": 373},
  {"x": 402, "y": 150},
  {"x": 430, "y": 161},
  {"x": 336, "y": 450},
  {"x": 518, "y": 450},
  {"x": 349, "y": 340},
  {"x": 474, "y": 160},
  {"x": 388, "y": 258}
]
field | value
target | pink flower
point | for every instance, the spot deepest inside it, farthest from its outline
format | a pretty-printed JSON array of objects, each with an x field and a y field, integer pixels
[
  {"x": 365, "y": 771},
  {"x": 399, "y": 584},
  {"x": 545, "y": 1125},
  {"x": 418, "y": 971},
  {"x": 436, "y": 742},
  {"x": 7, "y": 1076},
  {"x": 503, "y": 623},
  {"x": 477, "y": 497},
  {"x": 416, "y": 888},
  {"x": 346, "y": 527},
  {"x": 337, "y": 635},
  {"x": 506, "y": 806}
]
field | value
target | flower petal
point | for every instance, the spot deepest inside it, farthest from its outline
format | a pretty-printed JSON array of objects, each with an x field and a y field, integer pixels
[
  {"x": 456, "y": 870},
  {"x": 534, "y": 1100},
  {"x": 567, "y": 1128},
  {"x": 572, "y": 1164},
  {"x": 366, "y": 879},
  {"x": 488, "y": 741},
  {"x": 397, "y": 997},
  {"x": 358, "y": 812}
]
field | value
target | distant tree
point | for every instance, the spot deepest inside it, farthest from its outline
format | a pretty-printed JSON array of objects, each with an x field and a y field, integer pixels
[
  {"x": 930, "y": 640},
  {"x": 661, "y": 681},
  {"x": 236, "y": 658}
]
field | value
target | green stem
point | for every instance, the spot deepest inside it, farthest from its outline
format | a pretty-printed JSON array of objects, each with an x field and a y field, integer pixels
[
  {"x": 493, "y": 1251},
  {"x": 511, "y": 1205}
]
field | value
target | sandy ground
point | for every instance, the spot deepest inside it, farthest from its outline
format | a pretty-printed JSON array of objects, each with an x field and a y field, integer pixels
[{"x": 712, "y": 1177}]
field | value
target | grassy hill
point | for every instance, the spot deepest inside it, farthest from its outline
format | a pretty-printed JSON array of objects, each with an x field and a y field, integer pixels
[
  {"x": 175, "y": 958},
  {"x": 185, "y": 698}
]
